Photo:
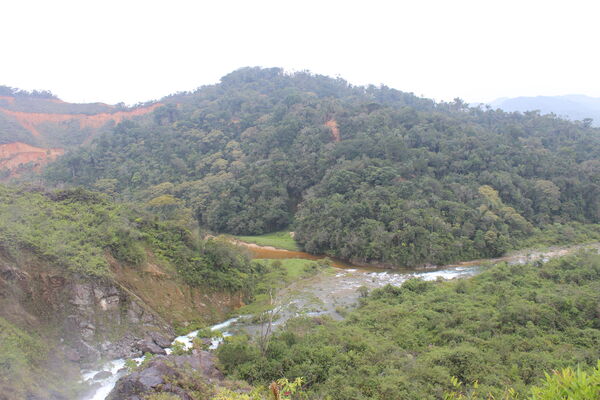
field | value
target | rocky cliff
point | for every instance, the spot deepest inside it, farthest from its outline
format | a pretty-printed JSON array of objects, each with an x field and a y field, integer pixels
[{"x": 78, "y": 321}]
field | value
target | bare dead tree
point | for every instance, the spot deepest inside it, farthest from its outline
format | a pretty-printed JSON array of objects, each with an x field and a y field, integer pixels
[{"x": 266, "y": 326}]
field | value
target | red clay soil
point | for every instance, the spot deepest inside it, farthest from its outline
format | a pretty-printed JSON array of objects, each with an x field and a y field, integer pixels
[
  {"x": 335, "y": 131},
  {"x": 8, "y": 99},
  {"x": 14, "y": 155},
  {"x": 31, "y": 121}
]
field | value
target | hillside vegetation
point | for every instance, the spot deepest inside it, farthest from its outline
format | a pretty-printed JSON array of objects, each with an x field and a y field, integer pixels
[
  {"x": 77, "y": 230},
  {"x": 39, "y": 118},
  {"x": 368, "y": 174}
]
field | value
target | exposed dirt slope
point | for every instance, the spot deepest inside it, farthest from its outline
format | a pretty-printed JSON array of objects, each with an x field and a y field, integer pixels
[
  {"x": 335, "y": 130},
  {"x": 16, "y": 157},
  {"x": 8, "y": 99},
  {"x": 33, "y": 121},
  {"x": 34, "y": 132}
]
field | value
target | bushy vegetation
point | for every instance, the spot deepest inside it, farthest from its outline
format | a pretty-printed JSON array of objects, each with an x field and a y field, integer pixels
[
  {"x": 569, "y": 384},
  {"x": 78, "y": 229},
  {"x": 71, "y": 228},
  {"x": 20, "y": 353},
  {"x": 24, "y": 358},
  {"x": 502, "y": 329},
  {"x": 563, "y": 384},
  {"x": 370, "y": 174},
  {"x": 36, "y": 94}
]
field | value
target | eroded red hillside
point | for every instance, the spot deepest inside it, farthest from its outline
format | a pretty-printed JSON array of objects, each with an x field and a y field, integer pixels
[
  {"x": 335, "y": 130},
  {"x": 32, "y": 121},
  {"x": 8, "y": 99},
  {"x": 17, "y": 157},
  {"x": 52, "y": 124}
]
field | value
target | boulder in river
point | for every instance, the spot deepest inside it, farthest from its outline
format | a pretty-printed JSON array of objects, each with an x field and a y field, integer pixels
[
  {"x": 147, "y": 345},
  {"x": 102, "y": 375},
  {"x": 162, "y": 340}
]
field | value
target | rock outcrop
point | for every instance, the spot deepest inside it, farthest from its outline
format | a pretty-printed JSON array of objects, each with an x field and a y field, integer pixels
[
  {"x": 177, "y": 375},
  {"x": 90, "y": 318}
]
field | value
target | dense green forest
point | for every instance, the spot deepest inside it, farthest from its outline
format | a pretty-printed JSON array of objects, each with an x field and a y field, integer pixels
[
  {"x": 368, "y": 174},
  {"x": 502, "y": 329},
  {"x": 77, "y": 230}
]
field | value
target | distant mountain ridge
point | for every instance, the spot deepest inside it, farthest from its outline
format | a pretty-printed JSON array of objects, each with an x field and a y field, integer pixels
[{"x": 575, "y": 107}]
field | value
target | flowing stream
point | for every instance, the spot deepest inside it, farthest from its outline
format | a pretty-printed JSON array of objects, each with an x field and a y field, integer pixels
[
  {"x": 324, "y": 294},
  {"x": 117, "y": 367}
]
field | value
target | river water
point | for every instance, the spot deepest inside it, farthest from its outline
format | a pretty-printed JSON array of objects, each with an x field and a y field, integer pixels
[{"x": 327, "y": 293}]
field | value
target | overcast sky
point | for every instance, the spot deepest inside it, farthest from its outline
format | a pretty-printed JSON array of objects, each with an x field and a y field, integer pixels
[{"x": 134, "y": 51}]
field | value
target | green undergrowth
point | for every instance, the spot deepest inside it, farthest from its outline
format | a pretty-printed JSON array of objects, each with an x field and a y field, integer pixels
[
  {"x": 561, "y": 235},
  {"x": 280, "y": 240},
  {"x": 20, "y": 352},
  {"x": 23, "y": 357},
  {"x": 71, "y": 228},
  {"x": 77, "y": 230}
]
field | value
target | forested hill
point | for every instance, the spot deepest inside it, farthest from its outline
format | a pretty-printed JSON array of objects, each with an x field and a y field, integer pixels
[{"x": 370, "y": 174}]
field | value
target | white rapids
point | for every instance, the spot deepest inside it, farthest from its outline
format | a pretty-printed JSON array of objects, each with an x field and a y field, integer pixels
[{"x": 117, "y": 367}]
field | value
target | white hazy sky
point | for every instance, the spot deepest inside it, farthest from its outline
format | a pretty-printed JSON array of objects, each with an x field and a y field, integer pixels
[{"x": 132, "y": 51}]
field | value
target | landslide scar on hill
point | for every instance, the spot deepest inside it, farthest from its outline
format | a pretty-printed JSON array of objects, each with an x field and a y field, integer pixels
[
  {"x": 14, "y": 155},
  {"x": 31, "y": 121},
  {"x": 335, "y": 130}
]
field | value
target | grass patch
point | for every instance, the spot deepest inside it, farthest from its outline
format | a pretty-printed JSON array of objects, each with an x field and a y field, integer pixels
[
  {"x": 291, "y": 268},
  {"x": 280, "y": 240}
]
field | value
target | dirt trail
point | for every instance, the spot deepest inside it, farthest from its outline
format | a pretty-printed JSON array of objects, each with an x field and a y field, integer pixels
[{"x": 270, "y": 252}]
